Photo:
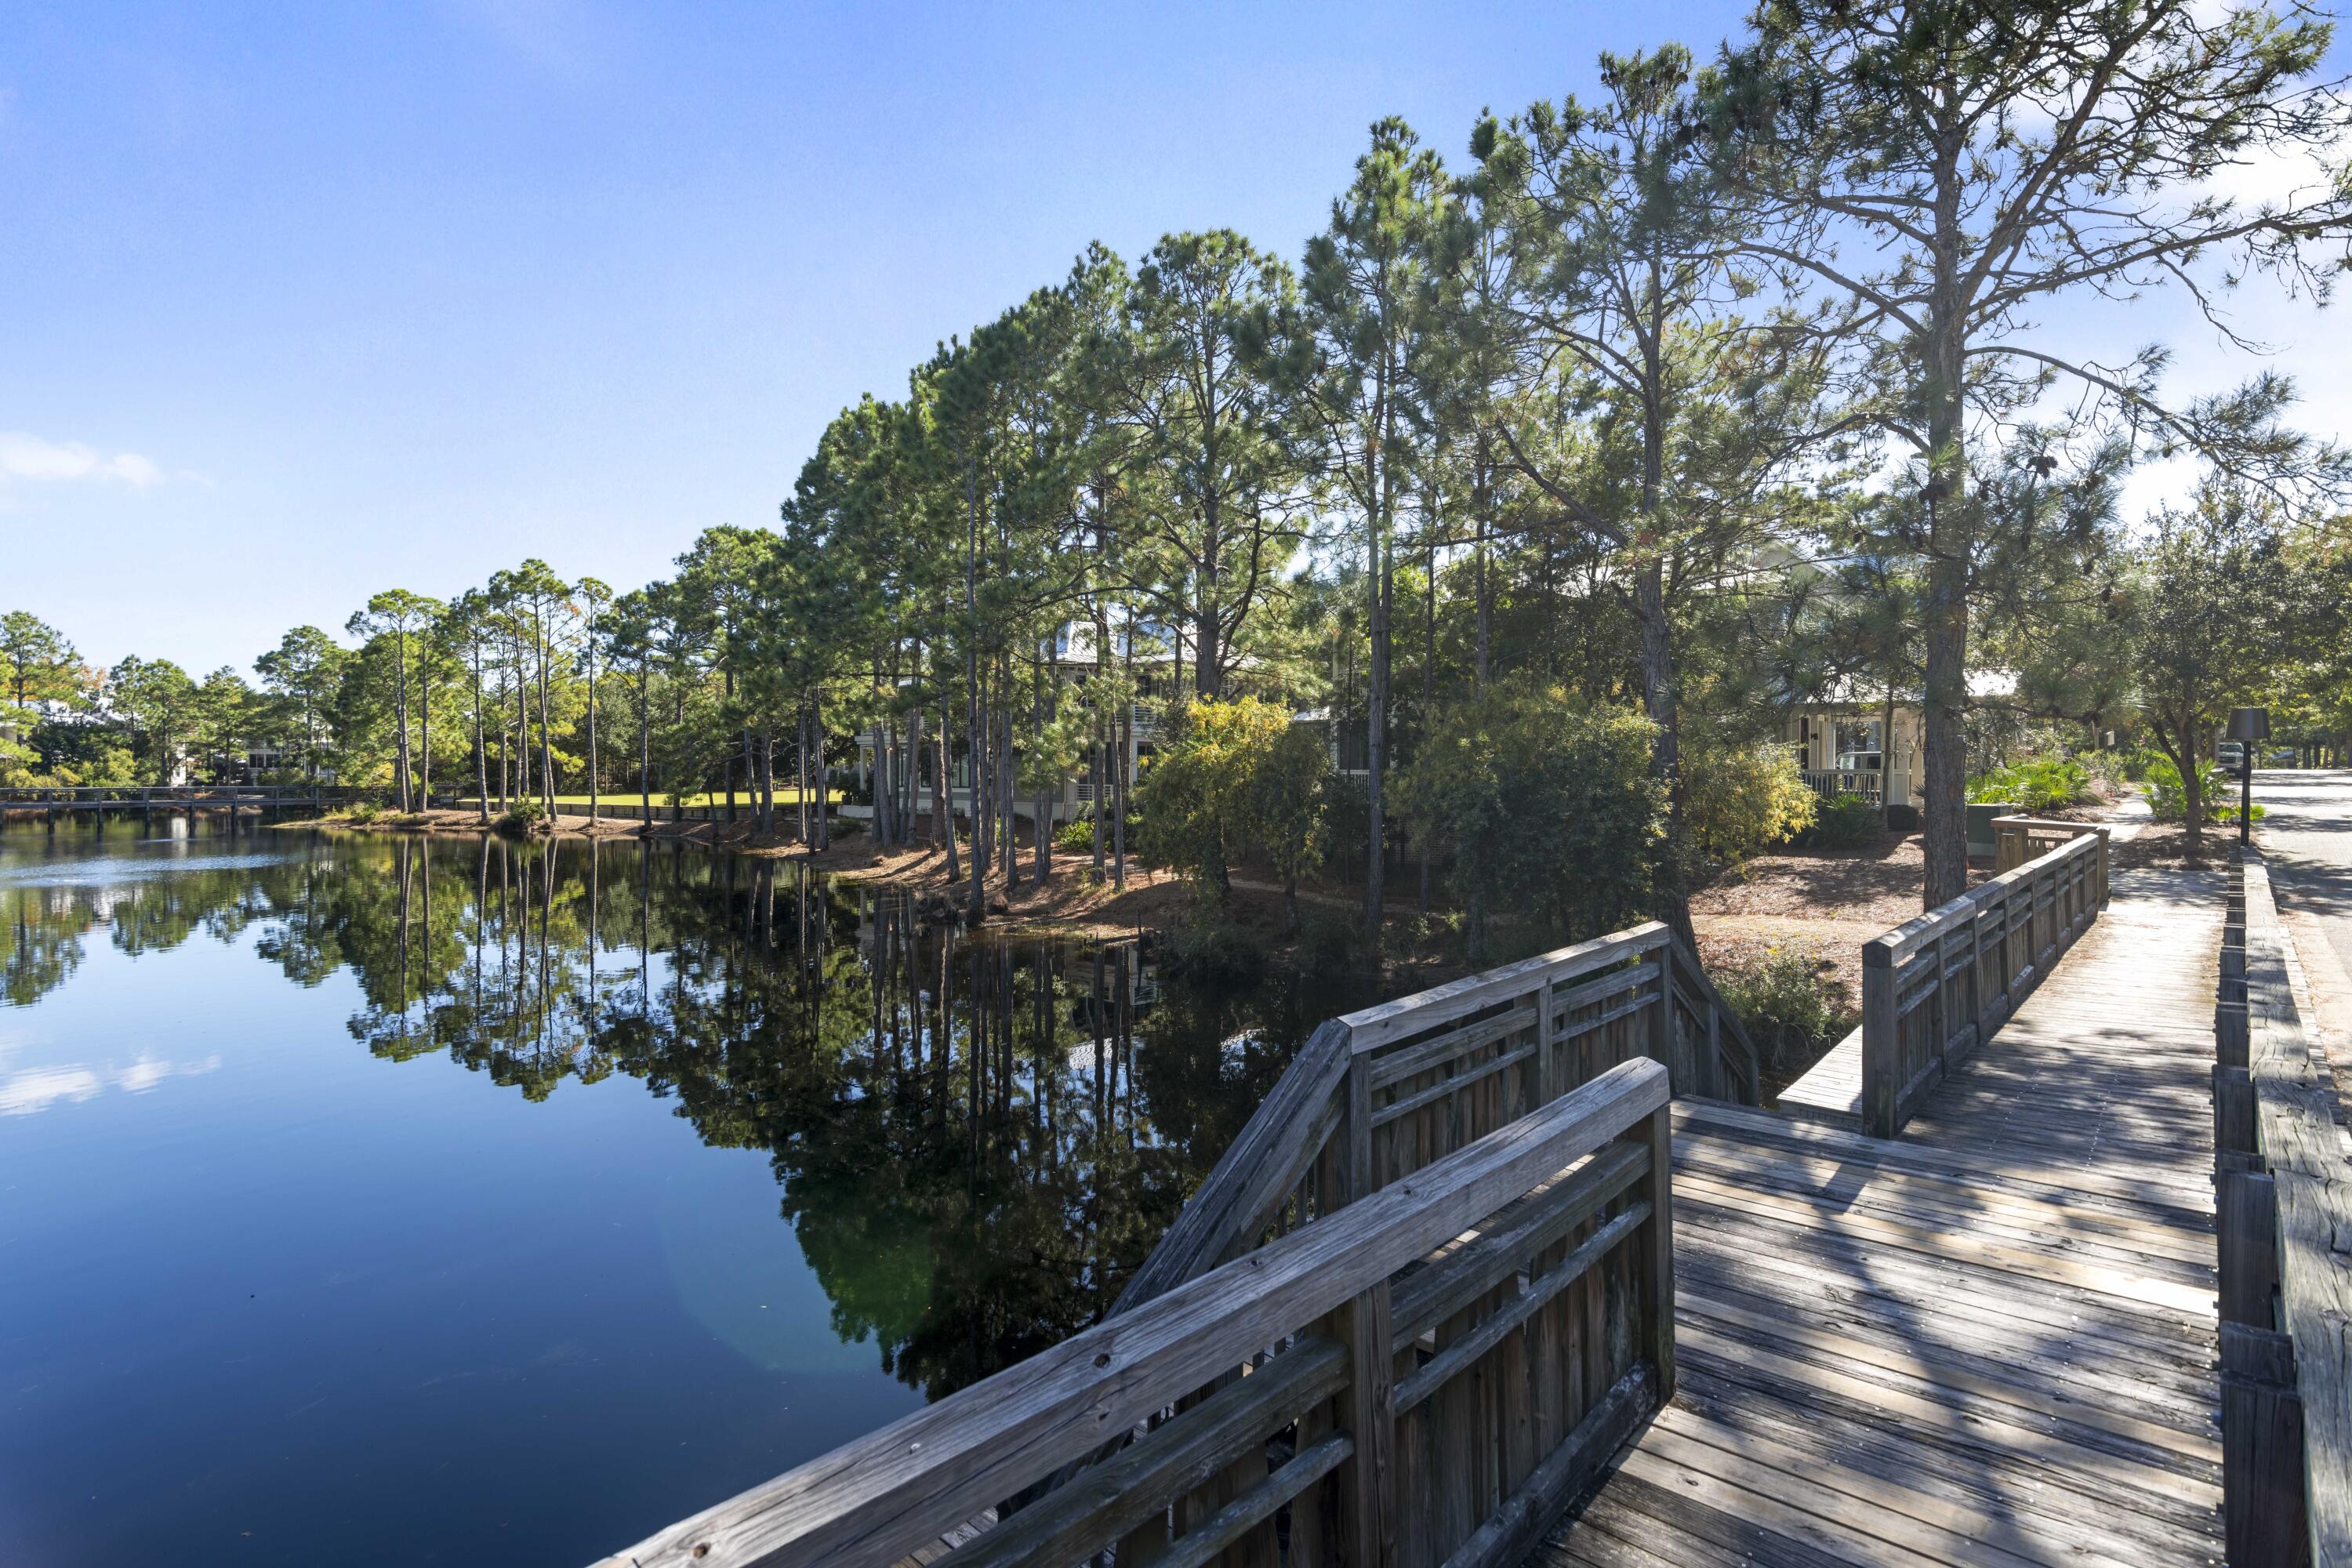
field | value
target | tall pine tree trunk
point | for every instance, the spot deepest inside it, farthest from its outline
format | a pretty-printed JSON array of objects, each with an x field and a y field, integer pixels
[
  {"x": 481, "y": 756},
  {"x": 1945, "y": 704}
]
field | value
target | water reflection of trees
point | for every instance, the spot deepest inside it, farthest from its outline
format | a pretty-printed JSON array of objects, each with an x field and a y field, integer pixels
[{"x": 977, "y": 1136}]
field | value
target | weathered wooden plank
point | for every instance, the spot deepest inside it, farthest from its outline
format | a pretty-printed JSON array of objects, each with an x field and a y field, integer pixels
[
  {"x": 2031, "y": 1393},
  {"x": 2264, "y": 1517},
  {"x": 1111, "y": 1498},
  {"x": 883, "y": 1496},
  {"x": 1482, "y": 1262},
  {"x": 2302, "y": 1145},
  {"x": 1371, "y": 1028},
  {"x": 1394, "y": 1066},
  {"x": 1465, "y": 1350},
  {"x": 1823, "y": 1437},
  {"x": 1510, "y": 1531}
]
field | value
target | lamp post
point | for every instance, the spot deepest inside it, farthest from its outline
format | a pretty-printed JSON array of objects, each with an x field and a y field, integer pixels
[{"x": 2248, "y": 727}]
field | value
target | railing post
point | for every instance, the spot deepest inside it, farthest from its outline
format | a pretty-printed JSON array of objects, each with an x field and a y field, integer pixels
[
  {"x": 2245, "y": 1224},
  {"x": 1658, "y": 1251},
  {"x": 1662, "y": 1022},
  {"x": 2264, "y": 1517},
  {"x": 1939, "y": 1008},
  {"x": 1546, "y": 1049},
  {"x": 1882, "y": 1059},
  {"x": 1366, "y": 1496},
  {"x": 1366, "y": 1482}
]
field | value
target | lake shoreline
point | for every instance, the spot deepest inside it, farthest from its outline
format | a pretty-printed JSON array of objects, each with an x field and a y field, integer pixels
[{"x": 1074, "y": 902}]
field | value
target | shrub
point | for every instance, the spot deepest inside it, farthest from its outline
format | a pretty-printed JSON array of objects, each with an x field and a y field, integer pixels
[
  {"x": 1197, "y": 796},
  {"x": 2046, "y": 783},
  {"x": 1792, "y": 1010},
  {"x": 1737, "y": 800},
  {"x": 364, "y": 811},
  {"x": 1842, "y": 822},
  {"x": 1333, "y": 942},
  {"x": 1546, "y": 804},
  {"x": 1077, "y": 836},
  {"x": 525, "y": 819},
  {"x": 2170, "y": 801},
  {"x": 1205, "y": 948},
  {"x": 1285, "y": 807}
]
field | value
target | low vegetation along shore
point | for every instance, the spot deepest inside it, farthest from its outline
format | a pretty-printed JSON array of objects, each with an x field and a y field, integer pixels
[{"x": 1779, "y": 915}]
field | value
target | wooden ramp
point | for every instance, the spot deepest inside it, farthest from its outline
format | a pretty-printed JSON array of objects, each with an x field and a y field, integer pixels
[{"x": 1988, "y": 1342}]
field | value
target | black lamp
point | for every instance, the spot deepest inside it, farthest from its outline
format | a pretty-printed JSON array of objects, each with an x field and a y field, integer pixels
[{"x": 2248, "y": 726}]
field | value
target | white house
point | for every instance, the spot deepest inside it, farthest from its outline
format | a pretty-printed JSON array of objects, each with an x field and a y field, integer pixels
[{"x": 1844, "y": 746}]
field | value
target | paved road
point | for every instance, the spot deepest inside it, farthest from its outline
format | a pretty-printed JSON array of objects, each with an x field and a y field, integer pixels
[{"x": 2307, "y": 839}]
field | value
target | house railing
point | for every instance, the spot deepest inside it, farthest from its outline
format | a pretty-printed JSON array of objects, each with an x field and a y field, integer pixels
[
  {"x": 1937, "y": 988},
  {"x": 2284, "y": 1215},
  {"x": 1832, "y": 783},
  {"x": 1424, "y": 1377}
]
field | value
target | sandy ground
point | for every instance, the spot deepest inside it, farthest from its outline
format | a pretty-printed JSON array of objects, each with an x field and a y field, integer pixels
[{"x": 1823, "y": 902}]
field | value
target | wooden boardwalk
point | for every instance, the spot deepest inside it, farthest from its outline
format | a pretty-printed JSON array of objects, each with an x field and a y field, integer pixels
[{"x": 1988, "y": 1342}]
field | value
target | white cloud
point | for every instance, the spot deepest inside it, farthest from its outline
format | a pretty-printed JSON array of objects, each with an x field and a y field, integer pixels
[
  {"x": 37, "y": 1088},
  {"x": 2267, "y": 176},
  {"x": 23, "y": 1093},
  {"x": 25, "y": 456}
]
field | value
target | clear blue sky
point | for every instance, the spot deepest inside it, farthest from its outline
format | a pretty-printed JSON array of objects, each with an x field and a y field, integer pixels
[{"x": 301, "y": 301}]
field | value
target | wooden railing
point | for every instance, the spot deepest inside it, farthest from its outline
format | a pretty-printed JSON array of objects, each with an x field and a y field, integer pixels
[
  {"x": 2284, "y": 1213},
  {"x": 1412, "y": 1080},
  {"x": 1424, "y": 1377},
  {"x": 1831, "y": 782},
  {"x": 2016, "y": 839},
  {"x": 1935, "y": 988}
]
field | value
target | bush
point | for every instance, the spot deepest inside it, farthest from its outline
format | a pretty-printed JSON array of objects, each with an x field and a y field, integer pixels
[
  {"x": 1078, "y": 837},
  {"x": 1205, "y": 948},
  {"x": 523, "y": 821},
  {"x": 2218, "y": 792},
  {"x": 1332, "y": 942},
  {"x": 1546, "y": 804},
  {"x": 1842, "y": 822},
  {"x": 1792, "y": 1010},
  {"x": 1737, "y": 800},
  {"x": 1197, "y": 796},
  {"x": 2047, "y": 783}
]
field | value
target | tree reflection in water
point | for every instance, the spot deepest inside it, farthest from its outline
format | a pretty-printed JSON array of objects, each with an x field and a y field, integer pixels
[{"x": 977, "y": 1136}]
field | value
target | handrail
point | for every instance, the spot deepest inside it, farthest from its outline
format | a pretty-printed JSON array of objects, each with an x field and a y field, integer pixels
[
  {"x": 1331, "y": 1407},
  {"x": 2013, "y": 838},
  {"x": 1481, "y": 1050},
  {"x": 2284, "y": 1203},
  {"x": 1937, "y": 986},
  {"x": 1723, "y": 1017}
]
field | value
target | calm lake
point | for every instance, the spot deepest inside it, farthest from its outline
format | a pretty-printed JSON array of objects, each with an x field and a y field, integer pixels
[{"x": 372, "y": 1200}]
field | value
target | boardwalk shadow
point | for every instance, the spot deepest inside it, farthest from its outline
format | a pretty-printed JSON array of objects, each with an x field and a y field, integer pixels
[{"x": 1988, "y": 1340}]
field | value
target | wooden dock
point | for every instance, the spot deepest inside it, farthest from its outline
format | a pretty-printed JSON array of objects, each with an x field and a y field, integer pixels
[
  {"x": 1990, "y": 1341},
  {"x": 1515, "y": 1271}
]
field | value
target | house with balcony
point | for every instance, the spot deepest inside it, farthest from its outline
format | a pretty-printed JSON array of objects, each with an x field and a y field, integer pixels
[{"x": 1852, "y": 739}]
